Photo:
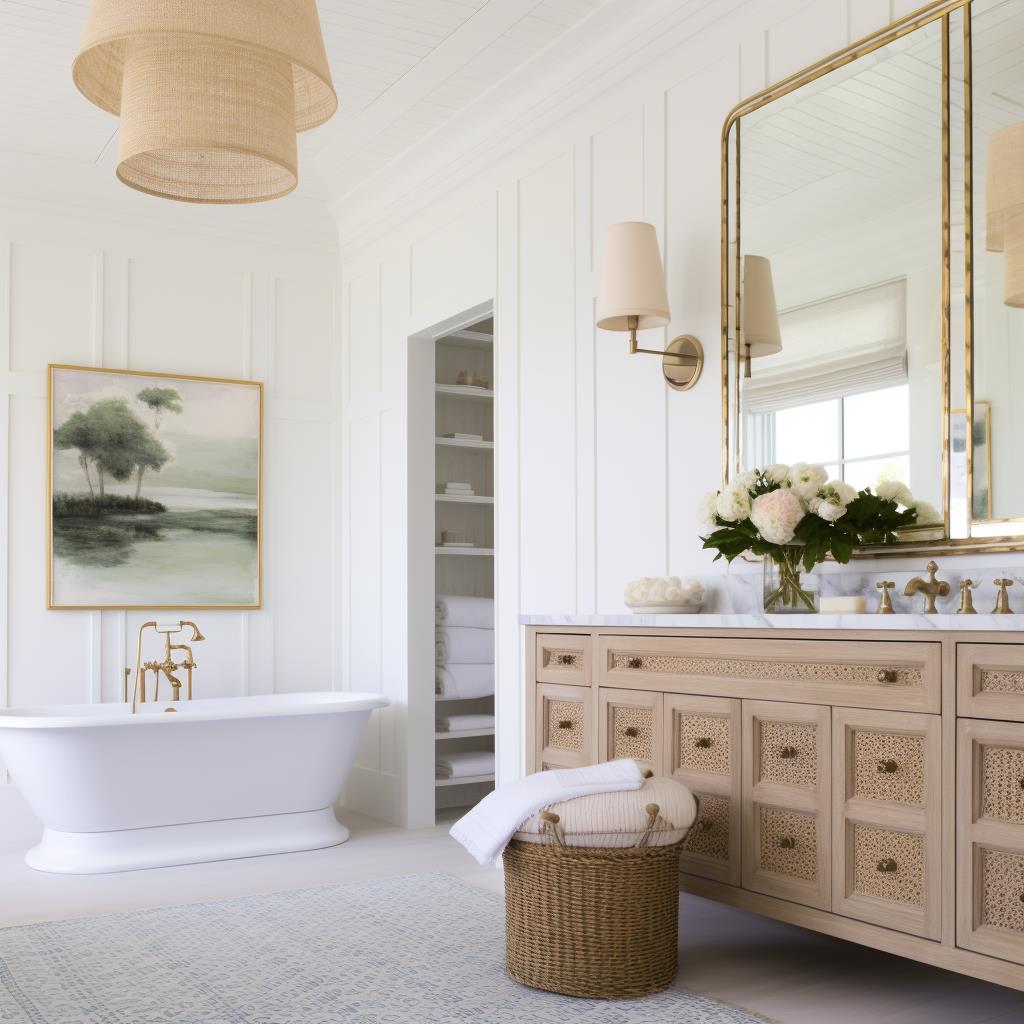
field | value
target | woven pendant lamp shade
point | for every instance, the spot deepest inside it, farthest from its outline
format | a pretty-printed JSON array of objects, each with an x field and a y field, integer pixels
[
  {"x": 211, "y": 93},
  {"x": 1004, "y": 182},
  {"x": 1013, "y": 265}
]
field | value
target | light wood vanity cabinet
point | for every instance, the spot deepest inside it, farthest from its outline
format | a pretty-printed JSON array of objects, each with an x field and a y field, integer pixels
[{"x": 868, "y": 784}]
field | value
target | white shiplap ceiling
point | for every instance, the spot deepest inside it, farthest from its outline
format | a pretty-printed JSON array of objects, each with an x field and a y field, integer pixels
[{"x": 401, "y": 69}]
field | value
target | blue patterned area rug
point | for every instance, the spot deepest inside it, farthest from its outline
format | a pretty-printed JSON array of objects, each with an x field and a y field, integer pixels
[{"x": 424, "y": 949}]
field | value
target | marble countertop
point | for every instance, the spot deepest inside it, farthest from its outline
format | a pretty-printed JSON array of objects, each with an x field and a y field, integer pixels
[{"x": 870, "y": 620}]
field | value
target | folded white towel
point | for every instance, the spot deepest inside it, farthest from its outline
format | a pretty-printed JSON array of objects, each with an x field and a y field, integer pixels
[
  {"x": 486, "y": 830},
  {"x": 464, "y": 680},
  {"x": 462, "y": 645},
  {"x": 463, "y": 723},
  {"x": 477, "y": 612},
  {"x": 464, "y": 763}
]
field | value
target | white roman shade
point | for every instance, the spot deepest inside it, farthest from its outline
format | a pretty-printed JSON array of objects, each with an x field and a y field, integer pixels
[{"x": 844, "y": 345}]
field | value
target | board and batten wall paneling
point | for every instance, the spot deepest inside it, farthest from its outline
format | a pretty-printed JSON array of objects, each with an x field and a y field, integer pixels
[
  {"x": 81, "y": 289},
  {"x": 600, "y": 467}
]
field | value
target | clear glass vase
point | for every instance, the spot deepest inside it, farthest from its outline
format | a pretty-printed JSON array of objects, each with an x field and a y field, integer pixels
[{"x": 785, "y": 591}]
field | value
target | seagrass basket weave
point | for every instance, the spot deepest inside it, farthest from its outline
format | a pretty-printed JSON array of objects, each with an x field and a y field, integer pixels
[{"x": 600, "y": 923}]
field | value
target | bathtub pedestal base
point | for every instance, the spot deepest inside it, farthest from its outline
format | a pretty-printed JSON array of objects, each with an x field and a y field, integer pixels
[{"x": 88, "y": 853}]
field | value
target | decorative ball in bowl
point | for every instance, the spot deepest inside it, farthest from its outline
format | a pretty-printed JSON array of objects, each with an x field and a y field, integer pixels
[{"x": 662, "y": 595}]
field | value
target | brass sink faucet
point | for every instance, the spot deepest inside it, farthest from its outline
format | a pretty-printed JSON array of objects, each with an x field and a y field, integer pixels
[
  {"x": 931, "y": 588},
  {"x": 167, "y": 667}
]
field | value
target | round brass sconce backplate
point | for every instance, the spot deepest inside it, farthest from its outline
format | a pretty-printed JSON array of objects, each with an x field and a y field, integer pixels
[{"x": 682, "y": 362}]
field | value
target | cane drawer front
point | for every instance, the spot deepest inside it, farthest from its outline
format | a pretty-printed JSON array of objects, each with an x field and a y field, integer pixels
[
  {"x": 896, "y": 675},
  {"x": 990, "y": 838},
  {"x": 565, "y": 725},
  {"x": 631, "y": 726},
  {"x": 786, "y": 855},
  {"x": 563, "y": 658},
  {"x": 786, "y": 752},
  {"x": 990, "y": 681},
  {"x": 712, "y": 848}
]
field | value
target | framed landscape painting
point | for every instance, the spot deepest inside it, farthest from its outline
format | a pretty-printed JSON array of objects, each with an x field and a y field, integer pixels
[{"x": 154, "y": 490}]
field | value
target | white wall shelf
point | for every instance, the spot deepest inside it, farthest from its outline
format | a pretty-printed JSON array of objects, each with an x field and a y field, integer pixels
[
  {"x": 463, "y": 734},
  {"x": 482, "y": 552},
  {"x": 461, "y": 442},
  {"x": 465, "y": 499},
  {"x": 467, "y": 781},
  {"x": 442, "y": 696},
  {"x": 463, "y": 391}
]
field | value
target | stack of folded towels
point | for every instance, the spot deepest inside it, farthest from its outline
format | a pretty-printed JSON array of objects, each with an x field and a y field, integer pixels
[{"x": 464, "y": 648}]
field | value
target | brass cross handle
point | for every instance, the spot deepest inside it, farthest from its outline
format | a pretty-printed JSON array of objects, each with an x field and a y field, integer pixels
[
  {"x": 888, "y": 767},
  {"x": 787, "y": 753},
  {"x": 1002, "y": 598},
  {"x": 702, "y": 741},
  {"x": 967, "y": 598},
  {"x": 885, "y": 604},
  {"x": 887, "y": 866},
  {"x": 787, "y": 843}
]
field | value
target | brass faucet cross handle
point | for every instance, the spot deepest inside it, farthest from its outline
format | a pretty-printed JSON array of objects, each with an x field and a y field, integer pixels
[
  {"x": 1002, "y": 598},
  {"x": 967, "y": 598},
  {"x": 885, "y": 605}
]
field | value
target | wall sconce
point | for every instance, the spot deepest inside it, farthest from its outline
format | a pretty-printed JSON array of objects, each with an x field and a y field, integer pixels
[
  {"x": 761, "y": 335},
  {"x": 1004, "y": 202},
  {"x": 632, "y": 297}
]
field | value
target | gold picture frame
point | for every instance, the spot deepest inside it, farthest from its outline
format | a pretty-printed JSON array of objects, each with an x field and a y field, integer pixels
[{"x": 96, "y": 540}]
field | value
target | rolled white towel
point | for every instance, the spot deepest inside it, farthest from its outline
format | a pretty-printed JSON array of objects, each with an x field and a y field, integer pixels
[
  {"x": 487, "y": 828},
  {"x": 464, "y": 763},
  {"x": 463, "y": 645},
  {"x": 464, "y": 680},
  {"x": 455, "y": 610},
  {"x": 463, "y": 723}
]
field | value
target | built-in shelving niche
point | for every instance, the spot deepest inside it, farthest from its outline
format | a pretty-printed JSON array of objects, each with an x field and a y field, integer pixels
[{"x": 468, "y": 409}]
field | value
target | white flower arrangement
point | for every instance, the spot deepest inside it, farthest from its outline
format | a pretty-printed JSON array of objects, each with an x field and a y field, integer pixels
[{"x": 796, "y": 515}]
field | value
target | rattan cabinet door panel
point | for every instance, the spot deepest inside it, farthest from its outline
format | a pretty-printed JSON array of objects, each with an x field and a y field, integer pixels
[
  {"x": 990, "y": 681},
  {"x": 565, "y": 725},
  {"x": 702, "y": 750},
  {"x": 786, "y": 820},
  {"x": 630, "y": 725},
  {"x": 563, "y": 658},
  {"x": 898, "y": 675},
  {"x": 990, "y": 838},
  {"x": 887, "y": 819}
]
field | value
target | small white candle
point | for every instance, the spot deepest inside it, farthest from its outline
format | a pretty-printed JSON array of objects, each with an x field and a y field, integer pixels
[{"x": 854, "y": 604}]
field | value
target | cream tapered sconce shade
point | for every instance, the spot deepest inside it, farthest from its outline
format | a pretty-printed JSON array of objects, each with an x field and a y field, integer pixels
[
  {"x": 1004, "y": 183},
  {"x": 210, "y": 93},
  {"x": 761, "y": 333},
  {"x": 632, "y": 296},
  {"x": 1013, "y": 269}
]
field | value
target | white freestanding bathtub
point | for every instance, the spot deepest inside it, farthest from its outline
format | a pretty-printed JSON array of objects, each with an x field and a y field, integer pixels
[{"x": 212, "y": 780}]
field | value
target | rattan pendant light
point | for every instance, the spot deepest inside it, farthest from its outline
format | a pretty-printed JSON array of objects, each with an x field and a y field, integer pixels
[{"x": 210, "y": 93}]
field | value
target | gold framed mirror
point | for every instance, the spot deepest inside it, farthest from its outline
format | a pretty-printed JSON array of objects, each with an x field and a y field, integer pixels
[{"x": 864, "y": 326}]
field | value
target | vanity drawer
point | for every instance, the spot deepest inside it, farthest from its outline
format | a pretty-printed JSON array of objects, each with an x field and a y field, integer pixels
[
  {"x": 631, "y": 726},
  {"x": 702, "y": 750},
  {"x": 990, "y": 838},
  {"x": 565, "y": 725},
  {"x": 563, "y": 658},
  {"x": 887, "y": 819},
  {"x": 786, "y": 821},
  {"x": 990, "y": 681},
  {"x": 898, "y": 675}
]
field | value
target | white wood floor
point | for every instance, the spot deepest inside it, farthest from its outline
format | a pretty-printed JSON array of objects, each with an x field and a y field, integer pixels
[{"x": 783, "y": 973}]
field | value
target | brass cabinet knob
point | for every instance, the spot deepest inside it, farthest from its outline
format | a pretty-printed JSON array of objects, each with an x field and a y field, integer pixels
[
  {"x": 702, "y": 741},
  {"x": 565, "y": 723},
  {"x": 1021, "y": 781},
  {"x": 887, "y": 866},
  {"x": 567, "y": 659},
  {"x": 787, "y": 753},
  {"x": 887, "y": 675},
  {"x": 632, "y": 731},
  {"x": 1022, "y": 897},
  {"x": 888, "y": 767},
  {"x": 635, "y": 663},
  {"x": 787, "y": 843},
  {"x": 706, "y": 826}
]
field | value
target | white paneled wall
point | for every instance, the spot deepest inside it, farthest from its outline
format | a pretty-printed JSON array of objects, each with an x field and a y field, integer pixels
[
  {"x": 600, "y": 466},
  {"x": 102, "y": 292}
]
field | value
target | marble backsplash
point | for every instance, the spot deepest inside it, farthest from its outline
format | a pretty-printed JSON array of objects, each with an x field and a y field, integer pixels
[{"x": 739, "y": 592}]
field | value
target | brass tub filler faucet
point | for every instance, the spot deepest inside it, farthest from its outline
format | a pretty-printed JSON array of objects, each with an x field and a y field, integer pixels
[{"x": 168, "y": 667}]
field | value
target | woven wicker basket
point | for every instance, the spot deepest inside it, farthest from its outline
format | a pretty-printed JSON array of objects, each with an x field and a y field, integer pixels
[{"x": 596, "y": 923}]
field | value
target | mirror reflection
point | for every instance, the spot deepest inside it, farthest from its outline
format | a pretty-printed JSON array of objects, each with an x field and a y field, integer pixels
[{"x": 840, "y": 267}]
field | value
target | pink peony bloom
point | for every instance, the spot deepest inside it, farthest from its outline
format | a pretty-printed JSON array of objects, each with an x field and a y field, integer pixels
[{"x": 776, "y": 515}]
